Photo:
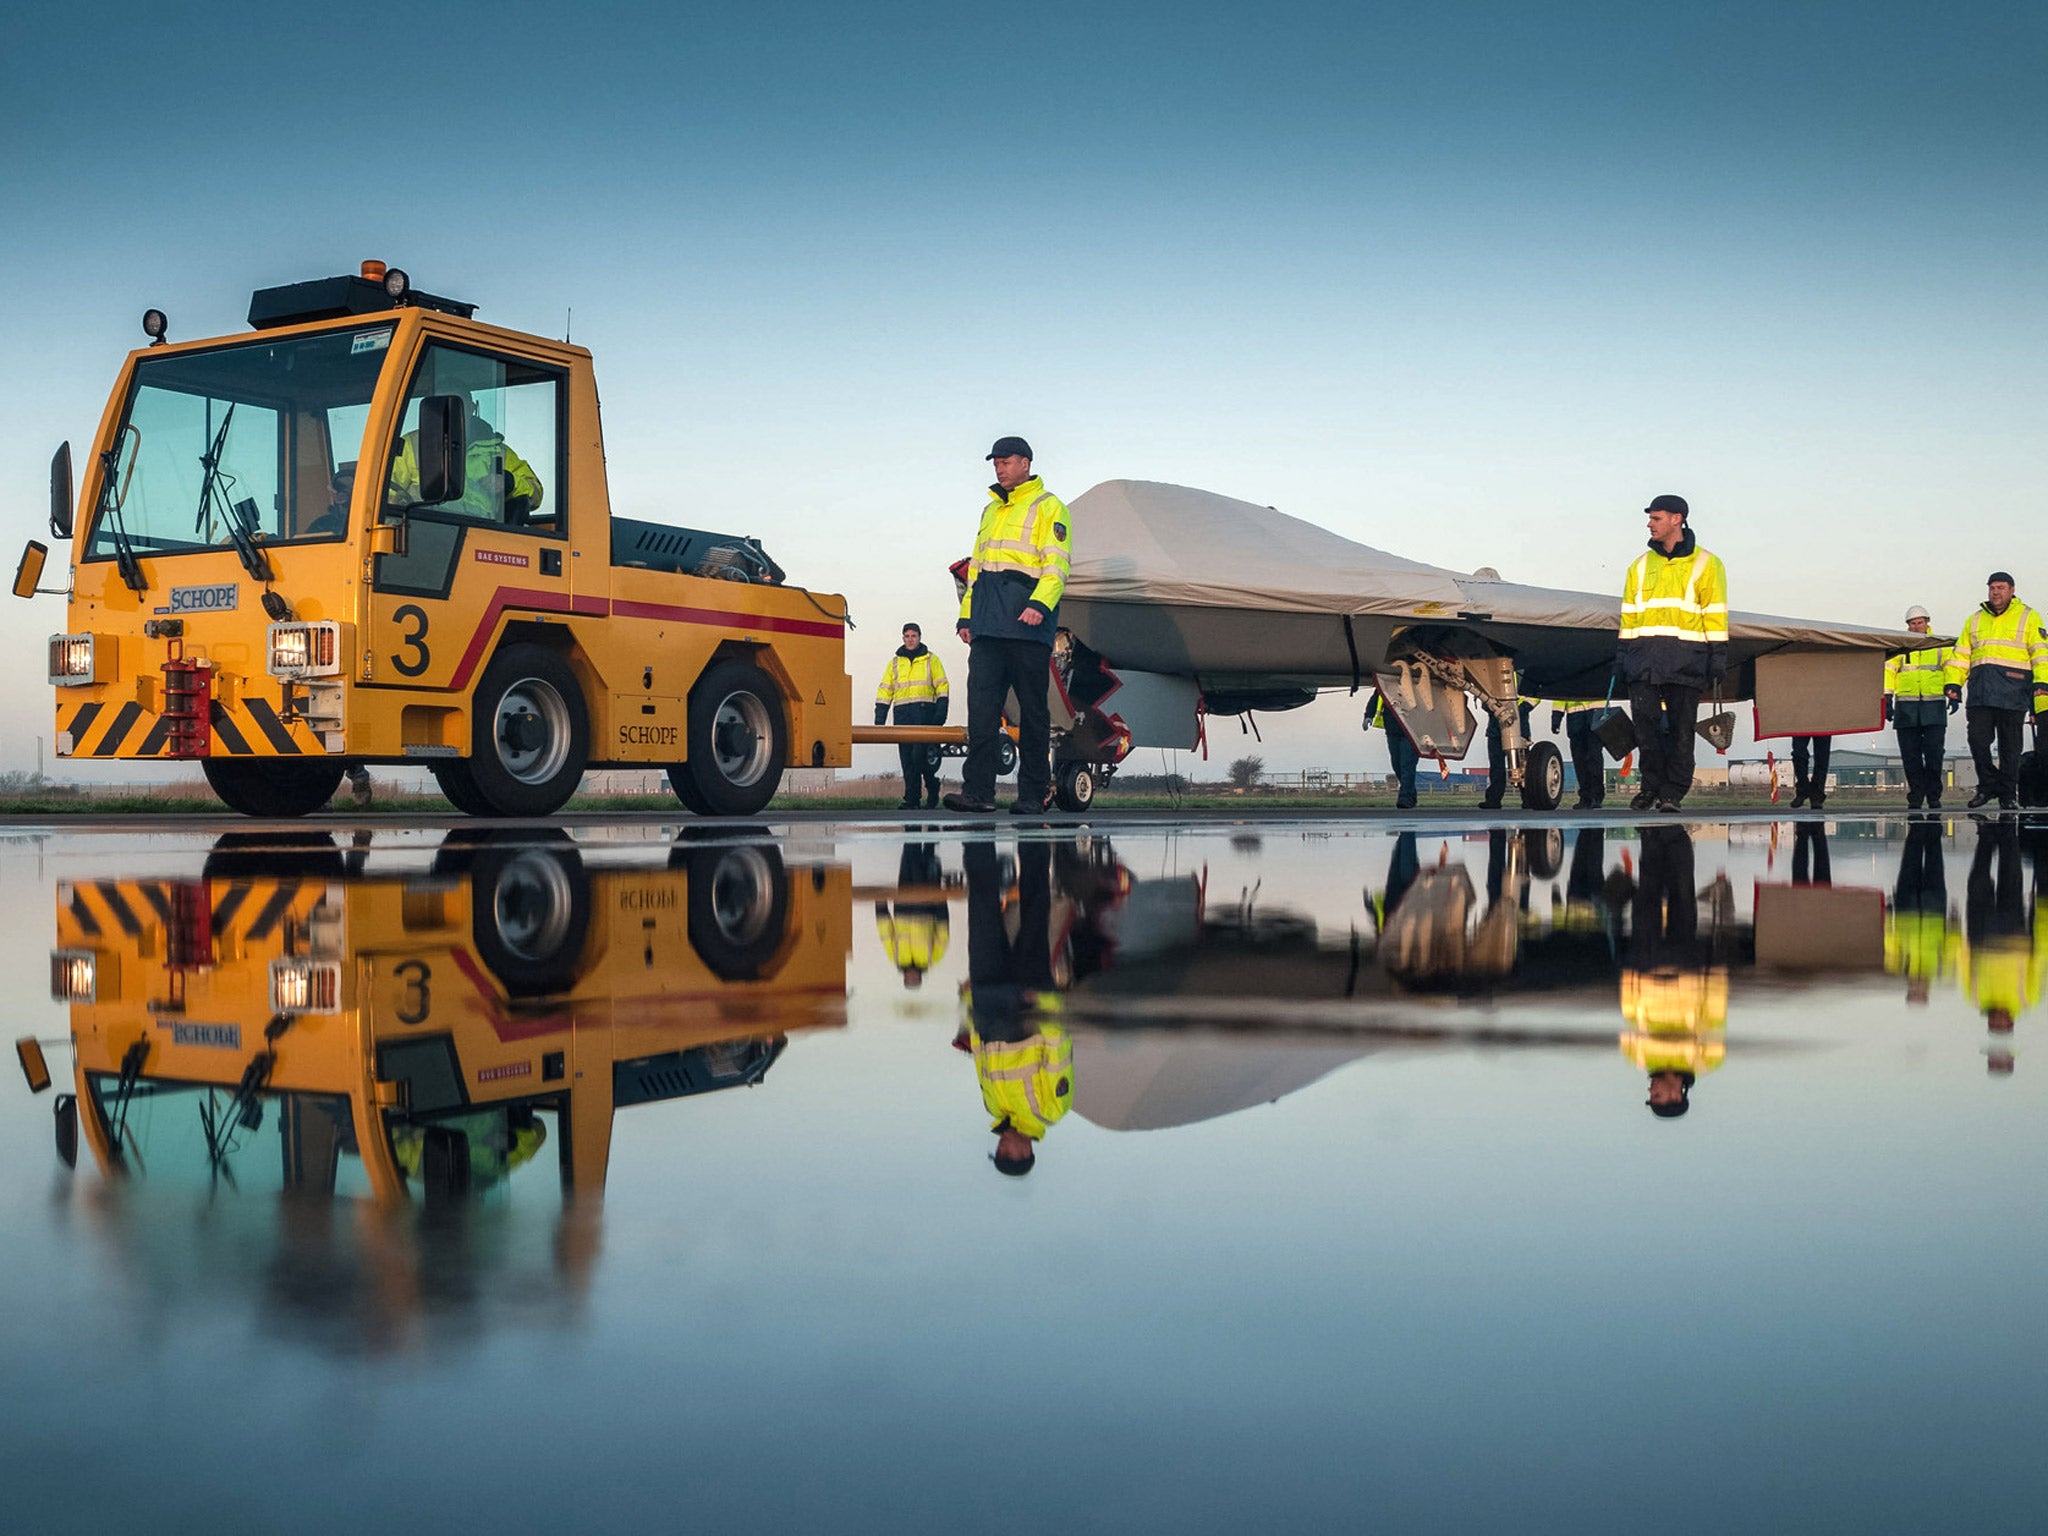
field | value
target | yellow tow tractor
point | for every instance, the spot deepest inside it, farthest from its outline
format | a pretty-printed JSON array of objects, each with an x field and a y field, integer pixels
[
  {"x": 291, "y": 1021},
  {"x": 376, "y": 530}
]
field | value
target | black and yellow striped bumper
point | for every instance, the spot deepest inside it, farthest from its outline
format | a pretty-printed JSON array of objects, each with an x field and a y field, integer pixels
[{"x": 250, "y": 728}]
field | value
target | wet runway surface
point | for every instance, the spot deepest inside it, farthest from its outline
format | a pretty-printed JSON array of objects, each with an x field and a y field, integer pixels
[{"x": 1315, "y": 1172}]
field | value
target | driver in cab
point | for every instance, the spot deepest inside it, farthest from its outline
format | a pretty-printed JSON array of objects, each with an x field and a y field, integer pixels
[{"x": 498, "y": 485}]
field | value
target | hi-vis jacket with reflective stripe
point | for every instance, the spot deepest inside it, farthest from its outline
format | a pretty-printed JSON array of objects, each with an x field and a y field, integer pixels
[
  {"x": 1920, "y": 946},
  {"x": 1021, "y": 559},
  {"x": 1027, "y": 1084},
  {"x": 2004, "y": 656},
  {"x": 912, "y": 677},
  {"x": 915, "y": 937},
  {"x": 1673, "y": 1001},
  {"x": 486, "y": 452},
  {"x": 1915, "y": 682},
  {"x": 1674, "y": 617}
]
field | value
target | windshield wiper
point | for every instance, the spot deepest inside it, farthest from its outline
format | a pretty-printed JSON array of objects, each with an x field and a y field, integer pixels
[
  {"x": 252, "y": 558},
  {"x": 110, "y": 511}
]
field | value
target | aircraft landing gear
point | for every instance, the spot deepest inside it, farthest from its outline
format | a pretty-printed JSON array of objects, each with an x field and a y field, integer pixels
[
  {"x": 1543, "y": 777},
  {"x": 1074, "y": 786}
]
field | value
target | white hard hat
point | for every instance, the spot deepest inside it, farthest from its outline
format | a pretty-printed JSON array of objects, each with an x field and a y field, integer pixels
[{"x": 1917, "y": 612}]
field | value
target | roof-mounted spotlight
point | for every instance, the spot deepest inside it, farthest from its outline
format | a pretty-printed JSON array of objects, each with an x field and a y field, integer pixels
[
  {"x": 154, "y": 324},
  {"x": 396, "y": 283}
]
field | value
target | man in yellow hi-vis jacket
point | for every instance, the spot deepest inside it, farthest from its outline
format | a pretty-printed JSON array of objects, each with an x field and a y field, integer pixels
[
  {"x": 914, "y": 685},
  {"x": 2002, "y": 654},
  {"x": 1673, "y": 646},
  {"x": 498, "y": 485},
  {"x": 1009, "y": 615}
]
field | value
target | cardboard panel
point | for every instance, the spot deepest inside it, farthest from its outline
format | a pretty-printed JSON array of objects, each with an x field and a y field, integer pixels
[{"x": 1819, "y": 693}]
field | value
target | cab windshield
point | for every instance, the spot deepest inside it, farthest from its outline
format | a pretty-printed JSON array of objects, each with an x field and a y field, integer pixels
[{"x": 266, "y": 432}]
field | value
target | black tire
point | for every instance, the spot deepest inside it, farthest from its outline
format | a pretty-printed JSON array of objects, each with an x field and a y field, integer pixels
[
  {"x": 458, "y": 787},
  {"x": 1545, "y": 848},
  {"x": 686, "y": 791},
  {"x": 1006, "y": 756},
  {"x": 272, "y": 786},
  {"x": 739, "y": 906},
  {"x": 1543, "y": 777},
  {"x": 529, "y": 915},
  {"x": 273, "y": 856},
  {"x": 1074, "y": 789},
  {"x": 739, "y": 741},
  {"x": 529, "y": 733}
]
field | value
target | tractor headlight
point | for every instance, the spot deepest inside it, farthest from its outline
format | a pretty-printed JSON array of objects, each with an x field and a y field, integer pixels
[
  {"x": 74, "y": 660},
  {"x": 305, "y": 986},
  {"x": 305, "y": 650},
  {"x": 74, "y": 976}
]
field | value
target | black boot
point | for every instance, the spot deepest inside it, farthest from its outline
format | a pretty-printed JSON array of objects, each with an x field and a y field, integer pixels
[{"x": 1799, "y": 793}]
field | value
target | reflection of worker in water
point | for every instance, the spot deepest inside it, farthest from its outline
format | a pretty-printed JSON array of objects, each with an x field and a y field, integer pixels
[
  {"x": 914, "y": 933},
  {"x": 498, "y": 485},
  {"x": 1674, "y": 999},
  {"x": 2002, "y": 963},
  {"x": 1920, "y": 943},
  {"x": 1401, "y": 753},
  {"x": 1810, "y": 862},
  {"x": 1022, "y": 1053}
]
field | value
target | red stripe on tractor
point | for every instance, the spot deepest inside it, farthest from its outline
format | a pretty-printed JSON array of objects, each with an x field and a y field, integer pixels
[
  {"x": 741, "y": 621},
  {"x": 597, "y": 608}
]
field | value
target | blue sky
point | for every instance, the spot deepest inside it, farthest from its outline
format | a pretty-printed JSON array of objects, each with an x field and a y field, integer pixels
[{"x": 1469, "y": 282}]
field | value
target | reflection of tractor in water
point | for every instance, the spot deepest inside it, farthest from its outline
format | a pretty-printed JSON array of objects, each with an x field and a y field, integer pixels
[{"x": 428, "y": 1032}]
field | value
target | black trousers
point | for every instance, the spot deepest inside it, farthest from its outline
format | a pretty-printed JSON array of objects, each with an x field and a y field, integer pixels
[
  {"x": 1923, "y": 878},
  {"x": 1810, "y": 862},
  {"x": 1995, "y": 899},
  {"x": 1810, "y": 756},
  {"x": 2003, "y": 729},
  {"x": 1589, "y": 757},
  {"x": 1403, "y": 758},
  {"x": 1664, "y": 715},
  {"x": 919, "y": 778},
  {"x": 1920, "y": 754},
  {"x": 995, "y": 670},
  {"x": 1664, "y": 927},
  {"x": 1006, "y": 972}
]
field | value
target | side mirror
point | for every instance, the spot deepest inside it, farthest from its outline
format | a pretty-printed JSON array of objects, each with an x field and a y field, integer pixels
[
  {"x": 61, "y": 498},
  {"x": 29, "y": 574},
  {"x": 443, "y": 454}
]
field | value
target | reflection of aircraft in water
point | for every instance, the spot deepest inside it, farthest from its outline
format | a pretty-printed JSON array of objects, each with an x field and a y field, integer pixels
[
  {"x": 290, "y": 1020},
  {"x": 1182, "y": 1008}
]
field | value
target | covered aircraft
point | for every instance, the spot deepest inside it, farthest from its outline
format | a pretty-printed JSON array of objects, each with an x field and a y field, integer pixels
[{"x": 1184, "y": 603}]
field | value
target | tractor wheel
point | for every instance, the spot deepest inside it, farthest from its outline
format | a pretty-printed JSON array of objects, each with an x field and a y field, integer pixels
[
  {"x": 529, "y": 734},
  {"x": 272, "y": 786},
  {"x": 739, "y": 742}
]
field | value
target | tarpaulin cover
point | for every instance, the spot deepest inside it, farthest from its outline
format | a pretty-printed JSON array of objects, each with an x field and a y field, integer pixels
[{"x": 1147, "y": 542}]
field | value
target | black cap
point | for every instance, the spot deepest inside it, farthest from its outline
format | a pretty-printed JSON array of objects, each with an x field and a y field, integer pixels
[
  {"x": 1670, "y": 504},
  {"x": 1014, "y": 1167},
  {"x": 918, "y": 627},
  {"x": 1006, "y": 446},
  {"x": 2004, "y": 576}
]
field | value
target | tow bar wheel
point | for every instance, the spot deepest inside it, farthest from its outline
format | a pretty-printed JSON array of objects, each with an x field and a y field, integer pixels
[
  {"x": 1543, "y": 777},
  {"x": 1075, "y": 788}
]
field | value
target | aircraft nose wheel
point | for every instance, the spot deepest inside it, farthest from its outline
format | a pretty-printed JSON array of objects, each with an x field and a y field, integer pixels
[
  {"x": 1074, "y": 789},
  {"x": 1543, "y": 777}
]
